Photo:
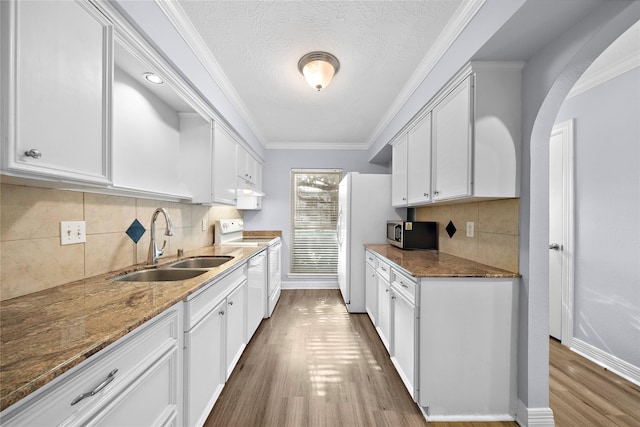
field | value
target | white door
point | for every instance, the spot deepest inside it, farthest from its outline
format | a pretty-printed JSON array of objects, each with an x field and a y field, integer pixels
[{"x": 560, "y": 196}]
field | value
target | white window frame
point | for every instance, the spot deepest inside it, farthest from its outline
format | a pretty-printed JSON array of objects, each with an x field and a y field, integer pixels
[{"x": 295, "y": 268}]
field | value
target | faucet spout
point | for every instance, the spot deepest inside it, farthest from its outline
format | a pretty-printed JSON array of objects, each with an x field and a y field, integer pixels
[{"x": 154, "y": 252}]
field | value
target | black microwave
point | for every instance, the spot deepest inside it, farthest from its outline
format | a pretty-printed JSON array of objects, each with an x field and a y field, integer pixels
[{"x": 413, "y": 234}]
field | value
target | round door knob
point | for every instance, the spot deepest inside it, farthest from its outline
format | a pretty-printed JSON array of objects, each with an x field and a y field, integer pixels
[{"x": 36, "y": 154}]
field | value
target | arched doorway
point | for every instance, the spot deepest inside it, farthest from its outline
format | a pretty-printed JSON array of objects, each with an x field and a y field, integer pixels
[{"x": 547, "y": 78}]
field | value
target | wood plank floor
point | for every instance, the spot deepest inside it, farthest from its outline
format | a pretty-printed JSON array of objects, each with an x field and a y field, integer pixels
[{"x": 313, "y": 364}]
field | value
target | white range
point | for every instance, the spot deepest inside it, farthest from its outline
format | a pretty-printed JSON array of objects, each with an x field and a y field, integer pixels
[{"x": 230, "y": 232}]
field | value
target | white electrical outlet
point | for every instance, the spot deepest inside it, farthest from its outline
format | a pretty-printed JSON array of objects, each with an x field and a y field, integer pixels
[
  {"x": 72, "y": 232},
  {"x": 470, "y": 228},
  {"x": 204, "y": 225}
]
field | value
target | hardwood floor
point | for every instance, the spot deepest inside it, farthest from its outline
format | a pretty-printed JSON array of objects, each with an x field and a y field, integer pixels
[
  {"x": 313, "y": 364},
  {"x": 582, "y": 393}
]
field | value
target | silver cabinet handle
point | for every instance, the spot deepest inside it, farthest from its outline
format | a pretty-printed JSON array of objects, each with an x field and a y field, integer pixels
[
  {"x": 36, "y": 154},
  {"x": 98, "y": 389},
  {"x": 436, "y": 192},
  {"x": 403, "y": 285},
  {"x": 230, "y": 302},
  {"x": 393, "y": 297},
  {"x": 383, "y": 269},
  {"x": 221, "y": 313},
  {"x": 554, "y": 246},
  {"x": 426, "y": 194}
]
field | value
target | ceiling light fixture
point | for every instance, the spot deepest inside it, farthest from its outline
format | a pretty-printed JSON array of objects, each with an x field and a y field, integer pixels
[
  {"x": 318, "y": 68},
  {"x": 153, "y": 78}
]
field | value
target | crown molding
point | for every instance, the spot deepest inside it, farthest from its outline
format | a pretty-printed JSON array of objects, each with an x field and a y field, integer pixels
[
  {"x": 181, "y": 22},
  {"x": 316, "y": 146},
  {"x": 611, "y": 71},
  {"x": 452, "y": 30}
]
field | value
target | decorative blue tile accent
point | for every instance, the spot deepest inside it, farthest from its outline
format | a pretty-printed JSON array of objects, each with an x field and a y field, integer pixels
[
  {"x": 135, "y": 230},
  {"x": 451, "y": 229}
]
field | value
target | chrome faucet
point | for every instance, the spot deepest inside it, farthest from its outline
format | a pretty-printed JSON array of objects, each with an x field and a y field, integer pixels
[{"x": 154, "y": 252}]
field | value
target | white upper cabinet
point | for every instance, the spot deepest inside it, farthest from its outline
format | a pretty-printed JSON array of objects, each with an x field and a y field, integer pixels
[
  {"x": 465, "y": 143},
  {"x": 57, "y": 63},
  {"x": 207, "y": 160},
  {"x": 418, "y": 162},
  {"x": 399, "y": 172},
  {"x": 451, "y": 167},
  {"x": 224, "y": 167}
]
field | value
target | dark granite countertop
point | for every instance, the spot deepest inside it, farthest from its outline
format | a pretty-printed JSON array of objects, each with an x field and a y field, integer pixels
[
  {"x": 437, "y": 264},
  {"x": 46, "y": 333}
]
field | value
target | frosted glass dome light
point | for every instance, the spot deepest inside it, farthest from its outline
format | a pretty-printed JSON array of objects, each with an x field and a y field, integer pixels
[{"x": 318, "y": 68}]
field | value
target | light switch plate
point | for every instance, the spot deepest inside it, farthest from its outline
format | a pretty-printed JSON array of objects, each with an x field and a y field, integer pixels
[
  {"x": 470, "y": 228},
  {"x": 72, "y": 232},
  {"x": 204, "y": 225}
]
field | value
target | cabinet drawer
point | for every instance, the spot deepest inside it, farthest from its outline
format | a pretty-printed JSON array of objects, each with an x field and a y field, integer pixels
[
  {"x": 108, "y": 373},
  {"x": 384, "y": 270},
  {"x": 370, "y": 258},
  {"x": 404, "y": 284},
  {"x": 200, "y": 303}
]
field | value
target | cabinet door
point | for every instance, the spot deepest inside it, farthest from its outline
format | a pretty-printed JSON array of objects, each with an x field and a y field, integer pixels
[
  {"x": 384, "y": 312},
  {"x": 371, "y": 291},
  {"x": 399, "y": 172},
  {"x": 452, "y": 153},
  {"x": 224, "y": 167},
  {"x": 236, "y": 319},
  {"x": 419, "y": 162},
  {"x": 150, "y": 400},
  {"x": 204, "y": 365},
  {"x": 256, "y": 292},
  {"x": 58, "y": 87},
  {"x": 404, "y": 327}
]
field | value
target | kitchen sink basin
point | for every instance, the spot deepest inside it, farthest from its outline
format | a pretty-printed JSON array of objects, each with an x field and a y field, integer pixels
[
  {"x": 202, "y": 262},
  {"x": 159, "y": 275}
]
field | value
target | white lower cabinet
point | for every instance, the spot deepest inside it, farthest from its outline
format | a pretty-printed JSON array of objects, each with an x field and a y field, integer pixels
[
  {"x": 215, "y": 319},
  {"x": 235, "y": 318},
  {"x": 204, "y": 365},
  {"x": 371, "y": 287},
  {"x": 452, "y": 341},
  {"x": 135, "y": 381},
  {"x": 384, "y": 312},
  {"x": 404, "y": 330},
  {"x": 468, "y": 330}
]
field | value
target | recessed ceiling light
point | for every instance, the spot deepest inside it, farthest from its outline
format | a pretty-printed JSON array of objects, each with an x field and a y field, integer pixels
[{"x": 153, "y": 78}]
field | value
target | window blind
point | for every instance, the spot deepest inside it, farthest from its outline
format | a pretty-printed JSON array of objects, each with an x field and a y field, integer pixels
[{"x": 314, "y": 248}]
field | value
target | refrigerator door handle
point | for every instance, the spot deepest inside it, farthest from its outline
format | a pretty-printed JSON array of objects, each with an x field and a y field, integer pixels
[{"x": 338, "y": 227}]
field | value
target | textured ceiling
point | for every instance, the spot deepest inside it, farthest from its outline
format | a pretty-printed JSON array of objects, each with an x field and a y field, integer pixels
[{"x": 380, "y": 45}]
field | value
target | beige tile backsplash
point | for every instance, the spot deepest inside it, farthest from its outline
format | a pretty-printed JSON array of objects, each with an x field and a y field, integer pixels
[
  {"x": 32, "y": 259},
  {"x": 496, "y": 236}
]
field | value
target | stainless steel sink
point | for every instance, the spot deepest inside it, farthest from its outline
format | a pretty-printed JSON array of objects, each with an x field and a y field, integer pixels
[
  {"x": 202, "y": 262},
  {"x": 159, "y": 275}
]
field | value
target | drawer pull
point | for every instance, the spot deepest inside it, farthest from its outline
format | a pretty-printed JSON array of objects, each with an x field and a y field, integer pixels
[
  {"x": 33, "y": 153},
  {"x": 98, "y": 389},
  {"x": 230, "y": 302},
  {"x": 383, "y": 269},
  {"x": 403, "y": 285}
]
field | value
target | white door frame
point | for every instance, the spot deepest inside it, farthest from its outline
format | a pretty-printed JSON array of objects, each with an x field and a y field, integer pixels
[{"x": 565, "y": 130}]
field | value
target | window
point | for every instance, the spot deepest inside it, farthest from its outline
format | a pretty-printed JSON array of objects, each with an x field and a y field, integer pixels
[{"x": 314, "y": 212}]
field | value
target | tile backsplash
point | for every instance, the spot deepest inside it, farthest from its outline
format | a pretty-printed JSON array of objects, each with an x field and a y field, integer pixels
[
  {"x": 496, "y": 234},
  {"x": 32, "y": 259}
]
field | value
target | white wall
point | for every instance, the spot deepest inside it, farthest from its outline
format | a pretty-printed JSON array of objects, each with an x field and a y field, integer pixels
[
  {"x": 276, "y": 209},
  {"x": 607, "y": 204}
]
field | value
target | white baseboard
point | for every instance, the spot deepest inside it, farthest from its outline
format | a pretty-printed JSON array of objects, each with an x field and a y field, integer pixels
[
  {"x": 310, "y": 284},
  {"x": 625, "y": 369},
  {"x": 533, "y": 417}
]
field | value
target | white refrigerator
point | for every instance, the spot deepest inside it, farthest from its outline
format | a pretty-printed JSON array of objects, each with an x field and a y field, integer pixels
[{"x": 364, "y": 208}]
